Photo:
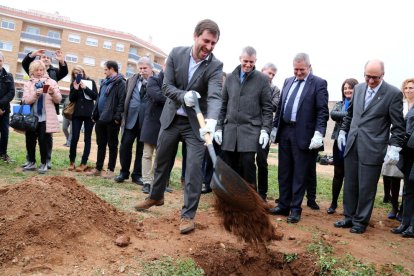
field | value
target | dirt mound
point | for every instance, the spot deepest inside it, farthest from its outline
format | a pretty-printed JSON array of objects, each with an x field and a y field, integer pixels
[{"x": 49, "y": 213}]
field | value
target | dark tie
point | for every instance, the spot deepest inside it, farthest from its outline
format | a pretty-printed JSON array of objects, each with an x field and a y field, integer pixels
[
  {"x": 40, "y": 105},
  {"x": 289, "y": 106},
  {"x": 143, "y": 89}
]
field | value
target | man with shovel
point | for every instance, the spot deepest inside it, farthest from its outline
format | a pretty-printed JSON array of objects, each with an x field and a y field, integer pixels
[{"x": 188, "y": 69}]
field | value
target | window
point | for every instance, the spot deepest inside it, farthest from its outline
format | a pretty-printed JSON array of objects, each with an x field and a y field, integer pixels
[
  {"x": 74, "y": 38},
  {"x": 29, "y": 49},
  {"x": 33, "y": 30},
  {"x": 120, "y": 47},
  {"x": 71, "y": 58},
  {"x": 133, "y": 51},
  {"x": 103, "y": 63},
  {"x": 107, "y": 44},
  {"x": 89, "y": 61},
  {"x": 53, "y": 34},
  {"x": 6, "y": 46},
  {"x": 8, "y": 24},
  {"x": 119, "y": 66},
  {"x": 92, "y": 41}
]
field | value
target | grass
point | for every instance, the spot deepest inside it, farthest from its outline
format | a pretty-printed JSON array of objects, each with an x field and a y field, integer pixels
[{"x": 167, "y": 266}]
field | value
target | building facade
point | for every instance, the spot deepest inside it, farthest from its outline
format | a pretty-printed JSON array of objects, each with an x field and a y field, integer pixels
[{"x": 89, "y": 46}]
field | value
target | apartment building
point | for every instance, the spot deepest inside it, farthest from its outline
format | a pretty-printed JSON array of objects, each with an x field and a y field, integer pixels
[{"x": 89, "y": 46}]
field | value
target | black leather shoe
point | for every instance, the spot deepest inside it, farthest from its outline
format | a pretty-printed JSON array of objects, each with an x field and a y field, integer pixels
[
  {"x": 343, "y": 224},
  {"x": 409, "y": 233},
  {"x": 146, "y": 189},
  {"x": 313, "y": 205},
  {"x": 120, "y": 178},
  {"x": 294, "y": 217},
  {"x": 331, "y": 210},
  {"x": 206, "y": 190},
  {"x": 399, "y": 229},
  {"x": 138, "y": 180},
  {"x": 279, "y": 211},
  {"x": 357, "y": 229}
]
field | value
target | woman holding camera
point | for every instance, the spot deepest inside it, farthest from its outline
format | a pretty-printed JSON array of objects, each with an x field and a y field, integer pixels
[
  {"x": 83, "y": 93},
  {"x": 42, "y": 93}
]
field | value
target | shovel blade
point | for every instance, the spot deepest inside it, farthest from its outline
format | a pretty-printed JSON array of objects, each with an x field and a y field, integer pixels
[{"x": 231, "y": 188}]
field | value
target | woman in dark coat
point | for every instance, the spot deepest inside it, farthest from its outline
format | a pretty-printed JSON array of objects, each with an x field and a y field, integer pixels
[
  {"x": 84, "y": 98},
  {"x": 337, "y": 114}
]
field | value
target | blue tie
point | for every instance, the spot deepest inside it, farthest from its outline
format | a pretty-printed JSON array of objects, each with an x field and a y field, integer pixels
[
  {"x": 40, "y": 105},
  {"x": 289, "y": 106},
  {"x": 368, "y": 97},
  {"x": 242, "y": 77}
]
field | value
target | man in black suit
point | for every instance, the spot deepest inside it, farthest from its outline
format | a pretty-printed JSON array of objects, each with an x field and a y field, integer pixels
[
  {"x": 299, "y": 127},
  {"x": 188, "y": 70}
]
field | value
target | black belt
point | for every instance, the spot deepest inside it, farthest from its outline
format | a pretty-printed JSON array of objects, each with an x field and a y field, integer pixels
[{"x": 291, "y": 124}]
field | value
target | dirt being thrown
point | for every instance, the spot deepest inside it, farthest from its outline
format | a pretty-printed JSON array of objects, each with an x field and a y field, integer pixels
[
  {"x": 55, "y": 212},
  {"x": 252, "y": 226}
]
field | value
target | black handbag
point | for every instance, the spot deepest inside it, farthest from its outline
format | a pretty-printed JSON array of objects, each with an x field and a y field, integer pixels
[{"x": 22, "y": 122}]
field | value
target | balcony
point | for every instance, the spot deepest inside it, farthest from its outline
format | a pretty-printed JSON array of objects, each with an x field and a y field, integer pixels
[
  {"x": 157, "y": 66},
  {"x": 21, "y": 77},
  {"x": 133, "y": 56},
  {"x": 41, "y": 39}
]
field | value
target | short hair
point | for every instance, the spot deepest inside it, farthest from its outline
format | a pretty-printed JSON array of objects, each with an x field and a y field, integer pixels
[
  {"x": 146, "y": 60},
  {"x": 77, "y": 68},
  {"x": 351, "y": 82},
  {"x": 405, "y": 83},
  {"x": 112, "y": 64},
  {"x": 209, "y": 25},
  {"x": 378, "y": 61},
  {"x": 249, "y": 50},
  {"x": 270, "y": 65},
  {"x": 1, "y": 56},
  {"x": 302, "y": 57},
  {"x": 36, "y": 64}
]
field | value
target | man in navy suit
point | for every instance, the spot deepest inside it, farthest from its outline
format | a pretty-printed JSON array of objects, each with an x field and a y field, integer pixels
[{"x": 299, "y": 127}]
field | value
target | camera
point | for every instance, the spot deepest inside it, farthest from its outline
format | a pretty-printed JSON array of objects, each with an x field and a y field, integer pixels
[{"x": 39, "y": 85}]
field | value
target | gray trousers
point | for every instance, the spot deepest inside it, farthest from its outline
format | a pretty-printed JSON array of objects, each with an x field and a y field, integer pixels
[{"x": 168, "y": 140}]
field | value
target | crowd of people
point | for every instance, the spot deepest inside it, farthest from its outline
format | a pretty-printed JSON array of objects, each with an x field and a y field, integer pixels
[{"x": 244, "y": 113}]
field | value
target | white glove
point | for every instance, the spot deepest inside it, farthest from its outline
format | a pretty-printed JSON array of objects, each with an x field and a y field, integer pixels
[
  {"x": 273, "y": 135},
  {"x": 317, "y": 141},
  {"x": 210, "y": 127},
  {"x": 189, "y": 99},
  {"x": 392, "y": 156},
  {"x": 341, "y": 140},
  {"x": 263, "y": 138},
  {"x": 218, "y": 136}
]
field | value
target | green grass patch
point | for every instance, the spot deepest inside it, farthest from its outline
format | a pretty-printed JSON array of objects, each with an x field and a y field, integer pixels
[{"x": 168, "y": 266}]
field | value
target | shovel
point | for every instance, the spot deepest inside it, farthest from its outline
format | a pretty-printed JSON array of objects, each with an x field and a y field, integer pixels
[{"x": 226, "y": 184}]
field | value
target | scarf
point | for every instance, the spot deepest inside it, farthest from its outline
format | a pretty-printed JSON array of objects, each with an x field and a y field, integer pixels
[
  {"x": 109, "y": 82},
  {"x": 346, "y": 104}
]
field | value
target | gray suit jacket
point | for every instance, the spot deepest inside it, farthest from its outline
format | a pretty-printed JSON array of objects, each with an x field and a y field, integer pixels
[
  {"x": 206, "y": 80},
  {"x": 372, "y": 126},
  {"x": 246, "y": 109}
]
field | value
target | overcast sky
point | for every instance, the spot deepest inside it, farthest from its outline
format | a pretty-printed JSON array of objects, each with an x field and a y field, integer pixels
[{"x": 339, "y": 36}]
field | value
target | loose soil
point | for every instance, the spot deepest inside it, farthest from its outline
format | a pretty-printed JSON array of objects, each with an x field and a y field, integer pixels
[{"x": 55, "y": 226}]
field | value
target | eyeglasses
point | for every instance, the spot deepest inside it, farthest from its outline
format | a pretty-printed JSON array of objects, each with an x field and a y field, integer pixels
[{"x": 374, "y": 78}]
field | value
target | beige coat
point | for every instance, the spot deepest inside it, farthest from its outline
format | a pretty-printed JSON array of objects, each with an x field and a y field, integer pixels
[{"x": 30, "y": 97}]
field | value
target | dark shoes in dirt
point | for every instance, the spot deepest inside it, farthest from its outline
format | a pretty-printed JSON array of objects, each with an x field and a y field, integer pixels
[
  {"x": 148, "y": 203},
  {"x": 186, "y": 225}
]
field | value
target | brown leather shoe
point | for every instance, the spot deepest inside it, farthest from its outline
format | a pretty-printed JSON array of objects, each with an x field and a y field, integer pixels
[
  {"x": 148, "y": 203},
  {"x": 109, "y": 175},
  {"x": 94, "y": 172},
  {"x": 186, "y": 225},
  {"x": 71, "y": 167},
  {"x": 82, "y": 168}
]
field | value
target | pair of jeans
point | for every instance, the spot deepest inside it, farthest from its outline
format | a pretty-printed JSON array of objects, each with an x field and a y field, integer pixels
[
  {"x": 107, "y": 135},
  {"x": 4, "y": 132},
  {"x": 77, "y": 123},
  {"x": 38, "y": 135}
]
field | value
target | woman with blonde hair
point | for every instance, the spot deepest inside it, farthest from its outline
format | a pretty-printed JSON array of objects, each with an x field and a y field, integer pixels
[
  {"x": 42, "y": 93},
  {"x": 83, "y": 93}
]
